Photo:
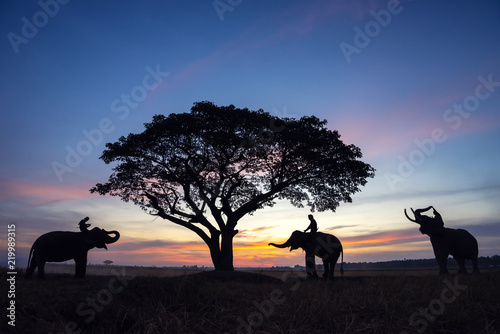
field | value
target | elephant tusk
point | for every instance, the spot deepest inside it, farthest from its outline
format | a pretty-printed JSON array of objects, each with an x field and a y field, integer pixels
[{"x": 413, "y": 220}]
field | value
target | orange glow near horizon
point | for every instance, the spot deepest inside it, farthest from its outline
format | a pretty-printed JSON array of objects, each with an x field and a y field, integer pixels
[
  {"x": 146, "y": 241},
  {"x": 258, "y": 253}
]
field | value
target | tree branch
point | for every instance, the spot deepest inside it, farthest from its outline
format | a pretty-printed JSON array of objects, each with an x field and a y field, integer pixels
[{"x": 154, "y": 203}]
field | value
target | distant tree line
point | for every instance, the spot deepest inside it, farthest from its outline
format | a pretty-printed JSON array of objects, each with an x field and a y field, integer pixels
[{"x": 483, "y": 261}]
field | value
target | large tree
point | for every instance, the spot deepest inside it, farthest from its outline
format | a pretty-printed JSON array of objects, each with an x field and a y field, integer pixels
[{"x": 206, "y": 169}]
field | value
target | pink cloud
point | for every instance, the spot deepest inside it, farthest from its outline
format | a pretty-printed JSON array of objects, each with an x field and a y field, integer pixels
[
  {"x": 41, "y": 193},
  {"x": 398, "y": 127},
  {"x": 382, "y": 238}
]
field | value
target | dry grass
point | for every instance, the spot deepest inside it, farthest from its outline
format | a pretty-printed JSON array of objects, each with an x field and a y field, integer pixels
[{"x": 209, "y": 302}]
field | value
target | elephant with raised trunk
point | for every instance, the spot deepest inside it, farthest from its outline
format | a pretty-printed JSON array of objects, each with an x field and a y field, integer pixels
[
  {"x": 61, "y": 246},
  {"x": 323, "y": 245},
  {"x": 447, "y": 241}
]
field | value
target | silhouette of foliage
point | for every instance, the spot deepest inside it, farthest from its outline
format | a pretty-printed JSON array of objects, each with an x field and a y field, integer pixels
[{"x": 206, "y": 169}]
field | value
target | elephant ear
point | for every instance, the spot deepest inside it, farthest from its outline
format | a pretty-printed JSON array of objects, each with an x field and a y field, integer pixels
[
  {"x": 94, "y": 238},
  {"x": 303, "y": 240},
  {"x": 439, "y": 228},
  {"x": 433, "y": 228}
]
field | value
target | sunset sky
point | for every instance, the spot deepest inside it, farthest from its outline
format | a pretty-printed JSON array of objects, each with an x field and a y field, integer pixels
[{"x": 414, "y": 84}]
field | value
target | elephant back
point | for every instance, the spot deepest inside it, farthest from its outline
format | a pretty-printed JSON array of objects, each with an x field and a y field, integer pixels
[{"x": 58, "y": 245}]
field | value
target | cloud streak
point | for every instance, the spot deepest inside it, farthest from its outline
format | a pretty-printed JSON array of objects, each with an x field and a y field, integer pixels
[
  {"x": 40, "y": 194},
  {"x": 401, "y": 129}
]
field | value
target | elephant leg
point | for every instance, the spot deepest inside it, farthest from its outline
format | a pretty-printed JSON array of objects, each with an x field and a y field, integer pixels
[
  {"x": 31, "y": 268},
  {"x": 332, "y": 270},
  {"x": 443, "y": 270},
  {"x": 311, "y": 266},
  {"x": 333, "y": 261},
  {"x": 41, "y": 270},
  {"x": 441, "y": 258},
  {"x": 461, "y": 264},
  {"x": 326, "y": 265},
  {"x": 80, "y": 266}
]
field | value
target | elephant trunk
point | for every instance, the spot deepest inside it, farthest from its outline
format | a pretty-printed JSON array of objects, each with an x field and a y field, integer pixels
[
  {"x": 109, "y": 239},
  {"x": 283, "y": 245}
]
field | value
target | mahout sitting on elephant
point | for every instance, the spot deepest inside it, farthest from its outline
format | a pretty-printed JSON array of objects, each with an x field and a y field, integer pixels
[
  {"x": 61, "y": 246},
  {"x": 447, "y": 241},
  {"x": 323, "y": 245},
  {"x": 84, "y": 227},
  {"x": 313, "y": 225}
]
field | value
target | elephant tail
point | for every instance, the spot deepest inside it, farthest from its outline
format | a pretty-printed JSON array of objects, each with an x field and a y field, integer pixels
[{"x": 342, "y": 263}]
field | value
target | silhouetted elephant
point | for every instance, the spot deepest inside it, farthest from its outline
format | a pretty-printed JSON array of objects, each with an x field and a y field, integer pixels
[
  {"x": 62, "y": 246},
  {"x": 447, "y": 241},
  {"x": 323, "y": 245}
]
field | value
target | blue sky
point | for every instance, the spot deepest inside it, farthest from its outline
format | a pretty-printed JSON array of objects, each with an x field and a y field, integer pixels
[{"x": 414, "y": 84}]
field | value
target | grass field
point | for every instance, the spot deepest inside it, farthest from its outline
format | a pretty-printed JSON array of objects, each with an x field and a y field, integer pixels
[{"x": 132, "y": 300}]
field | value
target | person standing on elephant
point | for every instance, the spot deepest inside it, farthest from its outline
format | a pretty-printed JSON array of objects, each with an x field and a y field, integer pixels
[
  {"x": 437, "y": 216},
  {"x": 313, "y": 226},
  {"x": 82, "y": 224}
]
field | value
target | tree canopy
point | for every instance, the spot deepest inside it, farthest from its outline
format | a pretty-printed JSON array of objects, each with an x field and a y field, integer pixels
[{"x": 206, "y": 169}]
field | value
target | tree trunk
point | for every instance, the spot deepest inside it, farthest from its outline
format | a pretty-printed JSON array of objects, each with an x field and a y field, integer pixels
[{"x": 223, "y": 259}]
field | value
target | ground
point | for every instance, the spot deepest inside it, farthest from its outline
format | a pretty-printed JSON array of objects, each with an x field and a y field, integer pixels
[{"x": 189, "y": 301}]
